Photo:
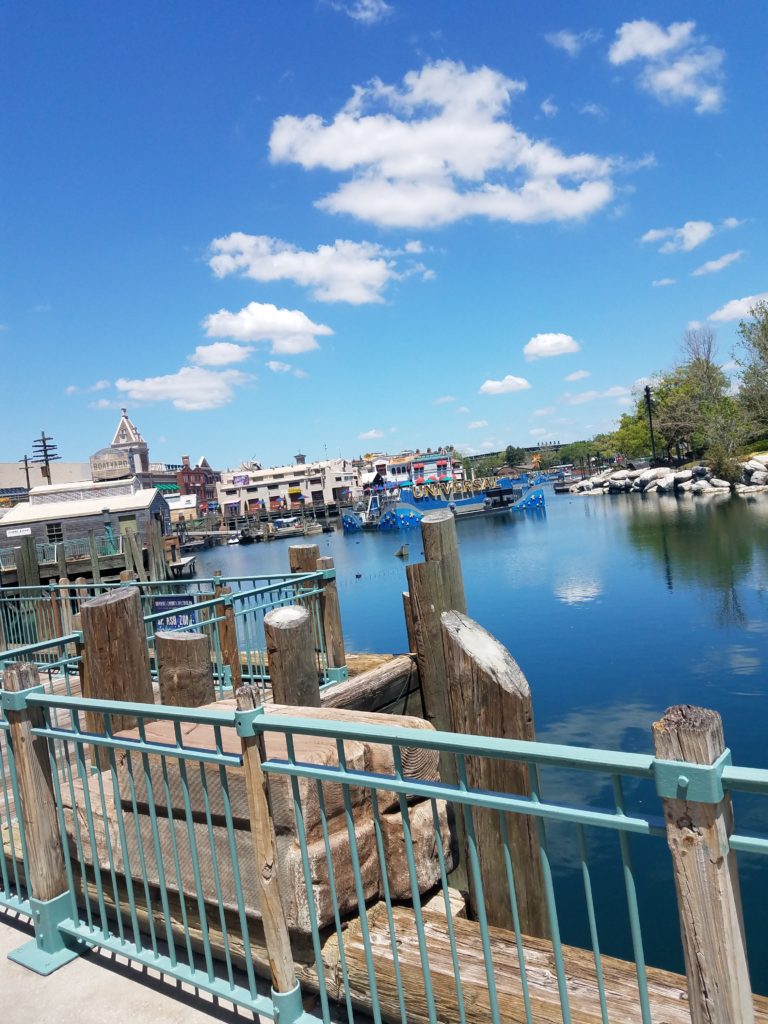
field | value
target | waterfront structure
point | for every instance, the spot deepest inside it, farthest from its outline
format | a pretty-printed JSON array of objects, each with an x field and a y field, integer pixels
[
  {"x": 182, "y": 507},
  {"x": 199, "y": 480},
  {"x": 127, "y": 456},
  {"x": 252, "y": 488},
  {"x": 412, "y": 467},
  {"x": 61, "y": 512},
  {"x": 16, "y": 481}
]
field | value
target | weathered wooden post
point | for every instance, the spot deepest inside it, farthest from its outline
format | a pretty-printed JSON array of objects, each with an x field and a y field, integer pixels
[
  {"x": 265, "y": 850},
  {"x": 45, "y": 868},
  {"x": 330, "y": 615},
  {"x": 490, "y": 696},
  {"x": 94, "y": 553},
  {"x": 428, "y": 602},
  {"x": 705, "y": 869},
  {"x": 226, "y": 627},
  {"x": 303, "y": 558},
  {"x": 409, "y": 626},
  {"x": 184, "y": 670},
  {"x": 291, "y": 654},
  {"x": 441, "y": 545},
  {"x": 115, "y": 650},
  {"x": 61, "y": 558}
]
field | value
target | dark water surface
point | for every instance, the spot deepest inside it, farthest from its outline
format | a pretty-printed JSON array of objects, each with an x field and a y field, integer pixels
[{"x": 615, "y": 607}]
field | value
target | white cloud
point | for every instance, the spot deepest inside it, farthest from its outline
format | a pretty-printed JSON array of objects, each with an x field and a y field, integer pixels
[
  {"x": 538, "y": 432},
  {"x": 438, "y": 149},
  {"x": 277, "y": 367},
  {"x": 191, "y": 389},
  {"x": 369, "y": 12},
  {"x": 577, "y": 375},
  {"x": 663, "y": 282},
  {"x": 689, "y": 236},
  {"x": 505, "y": 385},
  {"x": 463, "y": 409},
  {"x": 220, "y": 353},
  {"x": 354, "y": 272},
  {"x": 301, "y": 374},
  {"x": 677, "y": 66},
  {"x": 444, "y": 400},
  {"x": 694, "y": 325},
  {"x": 548, "y": 107},
  {"x": 712, "y": 266},
  {"x": 544, "y": 346},
  {"x": 547, "y": 411},
  {"x": 371, "y": 435},
  {"x": 100, "y": 385},
  {"x": 737, "y": 309},
  {"x": 572, "y": 42},
  {"x": 103, "y": 403},
  {"x": 289, "y": 330},
  {"x": 477, "y": 424},
  {"x": 416, "y": 247},
  {"x": 618, "y": 391},
  {"x": 593, "y": 110}
]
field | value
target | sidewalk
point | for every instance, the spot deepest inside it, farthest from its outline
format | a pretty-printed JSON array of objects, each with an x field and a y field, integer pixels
[{"x": 99, "y": 989}]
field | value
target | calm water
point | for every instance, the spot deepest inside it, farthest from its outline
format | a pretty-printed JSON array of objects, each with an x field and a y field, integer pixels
[{"x": 615, "y": 607}]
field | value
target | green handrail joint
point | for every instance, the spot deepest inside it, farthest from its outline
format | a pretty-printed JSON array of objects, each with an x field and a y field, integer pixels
[
  {"x": 51, "y": 948},
  {"x": 16, "y": 700},
  {"x": 244, "y": 721},
  {"x": 289, "y": 1008},
  {"x": 698, "y": 783}
]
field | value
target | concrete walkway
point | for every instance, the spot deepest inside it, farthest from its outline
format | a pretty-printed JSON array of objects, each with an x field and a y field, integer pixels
[{"x": 98, "y": 989}]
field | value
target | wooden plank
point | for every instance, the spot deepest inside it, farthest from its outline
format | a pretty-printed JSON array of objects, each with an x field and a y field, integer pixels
[
  {"x": 375, "y": 689},
  {"x": 490, "y": 696},
  {"x": 706, "y": 875}
]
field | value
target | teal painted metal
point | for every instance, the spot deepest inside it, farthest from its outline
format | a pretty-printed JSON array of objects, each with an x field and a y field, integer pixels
[
  {"x": 52, "y": 947},
  {"x": 699, "y": 783},
  {"x": 11, "y": 700}
]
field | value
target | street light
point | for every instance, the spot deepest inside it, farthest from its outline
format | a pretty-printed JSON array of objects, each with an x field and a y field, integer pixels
[{"x": 650, "y": 419}]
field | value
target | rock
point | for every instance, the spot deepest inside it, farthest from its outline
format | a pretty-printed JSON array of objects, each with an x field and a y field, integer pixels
[
  {"x": 686, "y": 487},
  {"x": 759, "y": 478},
  {"x": 633, "y": 474},
  {"x": 698, "y": 472},
  {"x": 702, "y": 487},
  {"x": 621, "y": 474},
  {"x": 754, "y": 466},
  {"x": 716, "y": 482},
  {"x": 760, "y": 458},
  {"x": 667, "y": 483},
  {"x": 683, "y": 475},
  {"x": 741, "y": 488}
]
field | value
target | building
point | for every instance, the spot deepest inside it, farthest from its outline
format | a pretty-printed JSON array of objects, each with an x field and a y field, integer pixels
[
  {"x": 251, "y": 488},
  {"x": 412, "y": 467},
  {"x": 63, "y": 512},
  {"x": 15, "y": 481},
  {"x": 199, "y": 480},
  {"x": 182, "y": 507},
  {"x": 127, "y": 456}
]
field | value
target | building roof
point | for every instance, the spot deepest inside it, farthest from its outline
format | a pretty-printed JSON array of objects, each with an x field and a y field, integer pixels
[
  {"x": 180, "y": 501},
  {"x": 84, "y": 485},
  {"x": 127, "y": 432},
  {"x": 26, "y": 513}
]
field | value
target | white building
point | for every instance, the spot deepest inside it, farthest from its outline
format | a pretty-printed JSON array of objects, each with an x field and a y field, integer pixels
[{"x": 251, "y": 488}]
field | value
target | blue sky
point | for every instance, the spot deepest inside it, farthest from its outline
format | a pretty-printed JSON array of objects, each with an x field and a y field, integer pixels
[{"x": 351, "y": 225}]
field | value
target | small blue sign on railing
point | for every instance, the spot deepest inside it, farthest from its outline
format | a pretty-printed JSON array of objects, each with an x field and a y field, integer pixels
[{"x": 178, "y": 619}]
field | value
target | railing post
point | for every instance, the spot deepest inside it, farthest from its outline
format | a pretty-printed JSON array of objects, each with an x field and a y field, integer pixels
[
  {"x": 284, "y": 984},
  {"x": 227, "y": 630},
  {"x": 705, "y": 870},
  {"x": 330, "y": 614},
  {"x": 291, "y": 654},
  {"x": 490, "y": 696},
  {"x": 50, "y": 897},
  {"x": 184, "y": 671}
]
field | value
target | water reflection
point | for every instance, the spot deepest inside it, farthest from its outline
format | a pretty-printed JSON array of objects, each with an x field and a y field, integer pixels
[{"x": 577, "y": 590}]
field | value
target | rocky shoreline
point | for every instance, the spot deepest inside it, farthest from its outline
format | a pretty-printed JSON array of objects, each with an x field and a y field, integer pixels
[{"x": 699, "y": 480}]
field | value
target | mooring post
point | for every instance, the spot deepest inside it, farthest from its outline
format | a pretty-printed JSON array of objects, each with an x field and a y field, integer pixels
[
  {"x": 94, "y": 553},
  {"x": 226, "y": 626},
  {"x": 441, "y": 545},
  {"x": 330, "y": 615},
  {"x": 184, "y": 670},
  {"x": 291, "y": 654},
  {"x": 428, "y": 602},
  {"x": 409, "y": 627},
  {"x": 699, "y": 821},
  {"x": 276, "y": 934},
  {"x": 115, "y": 654},
  {"x": 490, "y": 696},
  {"x": 46, "y": 876},
  {"x": 303, "y": 558}
]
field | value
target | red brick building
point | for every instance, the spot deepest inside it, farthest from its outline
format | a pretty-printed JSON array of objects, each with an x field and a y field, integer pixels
[{"x": 200, "y": 480}]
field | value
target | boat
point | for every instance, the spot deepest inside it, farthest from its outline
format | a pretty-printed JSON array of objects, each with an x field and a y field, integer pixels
[
  {"x": 463, "y": 500},
  {"x": 246, "y": 537},
  {"x": 312, "y": 528},
  {"x": 287, "y": 526},
  {"x": 233, "y": 540},
  {"x": 381, "y": 513}
]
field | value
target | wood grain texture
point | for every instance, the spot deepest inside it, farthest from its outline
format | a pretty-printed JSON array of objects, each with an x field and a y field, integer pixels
[
  {"x": 227, "y": 630},
  {"x": 441, "y": 545},
  {"x": 330, "y": 615},
  {"x": 706, "y": 876},
  {"x": 375, "y": 689},
  {"x": 490, "y": 696},
  {"x": 291, "y": 654},
  {"x": 184, "y": 668}
]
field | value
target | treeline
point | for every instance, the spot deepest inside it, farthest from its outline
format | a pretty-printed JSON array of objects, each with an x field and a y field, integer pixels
[{"x": 697, "y": 410}]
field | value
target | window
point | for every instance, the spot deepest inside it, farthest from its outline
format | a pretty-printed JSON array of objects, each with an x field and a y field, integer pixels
[{"x": 55, "y": 535}]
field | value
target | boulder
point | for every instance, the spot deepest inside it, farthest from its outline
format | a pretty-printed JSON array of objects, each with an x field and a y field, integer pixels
[
  {"x": 620, "y": 474},
  {"x": 722, "y": 484},
  {"x": 759, "y": 478},
  {"x": 698, "y": 472},
  {"x": 682, "y": 475},
  {"x": 667, "y": 483},
  {"x": 633, "y": 474},
  {"x": 754, "y": 466},
  {"x": 686, "y": 487},
  {"x": 702, "y": 487},
  {"x": 760, "y": 458}
]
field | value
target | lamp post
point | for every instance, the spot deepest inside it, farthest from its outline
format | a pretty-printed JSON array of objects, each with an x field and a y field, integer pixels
[{"x": 650, "y": 419}]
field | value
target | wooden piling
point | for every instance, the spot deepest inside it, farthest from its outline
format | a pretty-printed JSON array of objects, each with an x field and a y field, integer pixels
[
  {"x": 428, "y": 602},
  {"x": 115, "y": 652},
  {"x": 184, "y": 668},
  {"x": 61, "y": 558},
  {"x": 95, "y": 570},
  {"x": 137, "y": 554},
  {"x": 303, "y": 558},
  {"x": 490, "y": 696},
  {"x": 265, "y": 851},
  {"x": 409, "y": 626},
  {"x": 706, "y": 875},
  {"x": 441, "y": 545},
  {"x": 227, "y": 631},
  {"x": 291, "y": 654},
  {"x": 47, "y": 876},
  {"x": 330, "y": 616}
]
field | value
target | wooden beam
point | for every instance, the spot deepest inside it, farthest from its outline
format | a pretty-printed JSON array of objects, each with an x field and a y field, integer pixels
[
  {"x": 706, "y": 875},
  {"x": 45, "y": 854},
  {"x": 377, "y": 689},
  {"x": 184, "y": 669},
  {"x": 291, "y": 654}
]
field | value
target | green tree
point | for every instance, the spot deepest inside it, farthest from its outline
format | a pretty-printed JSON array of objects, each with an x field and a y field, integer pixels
[
  {"x": 514, "y": 457},
  {"x": 752, "y": 357},
  {"x": 633, "y": 436}
]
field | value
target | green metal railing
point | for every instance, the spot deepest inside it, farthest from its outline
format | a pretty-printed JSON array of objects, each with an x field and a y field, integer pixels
[{"x": 74, "y": 550}]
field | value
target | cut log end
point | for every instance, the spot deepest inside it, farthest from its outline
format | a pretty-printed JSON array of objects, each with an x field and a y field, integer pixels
[
  {"x": 485, "y": 651},
  {"x": 116, "y": 595},
  {"x": 286, "y": 618},
  {"x": 689, "y": 733}
]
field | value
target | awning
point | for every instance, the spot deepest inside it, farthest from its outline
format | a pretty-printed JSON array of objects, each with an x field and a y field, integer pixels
[{"x": 169, "y": 488}]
